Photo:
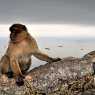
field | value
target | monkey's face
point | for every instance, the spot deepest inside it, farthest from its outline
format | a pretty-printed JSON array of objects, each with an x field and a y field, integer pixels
[{"x": 16, "y": 31}]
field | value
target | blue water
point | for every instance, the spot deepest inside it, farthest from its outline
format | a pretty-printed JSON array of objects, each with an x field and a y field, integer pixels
[{"x": 57, "y": 47}]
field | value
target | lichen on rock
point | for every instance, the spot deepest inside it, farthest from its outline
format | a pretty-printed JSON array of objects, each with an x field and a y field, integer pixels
[{"x": 69, "y": 76}]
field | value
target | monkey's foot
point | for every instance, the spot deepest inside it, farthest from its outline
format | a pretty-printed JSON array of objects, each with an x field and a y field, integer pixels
[
  {"x": 28, "y": 77},
  {"x": 19, "y": 81}
]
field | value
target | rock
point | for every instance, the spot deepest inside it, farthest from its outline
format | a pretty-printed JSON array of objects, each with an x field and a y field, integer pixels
[
  {"x": 60, "y": 45},
  {"x": 90, "y": 56},
  {"x": 47, "y": 48},
  {"x": 69, "y": 76}
]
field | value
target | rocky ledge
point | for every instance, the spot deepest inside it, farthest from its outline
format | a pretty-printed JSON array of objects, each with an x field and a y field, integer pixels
[{"x": 70, "y": 76}]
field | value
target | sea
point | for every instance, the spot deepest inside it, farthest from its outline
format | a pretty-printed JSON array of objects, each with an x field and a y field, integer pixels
[{"x": 57, "y": 47}]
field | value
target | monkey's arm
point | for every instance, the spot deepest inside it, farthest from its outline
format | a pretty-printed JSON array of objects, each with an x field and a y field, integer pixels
[{"x": 40, "y": 55}]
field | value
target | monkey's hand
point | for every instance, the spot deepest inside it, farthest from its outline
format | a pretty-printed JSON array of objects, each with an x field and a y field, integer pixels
[
  {"x": 55, "y": 59},
  {"x": 4, "y": 78}
]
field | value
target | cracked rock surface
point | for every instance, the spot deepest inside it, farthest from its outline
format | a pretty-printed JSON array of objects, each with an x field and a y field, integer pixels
[{"x": 70, "y": 76}]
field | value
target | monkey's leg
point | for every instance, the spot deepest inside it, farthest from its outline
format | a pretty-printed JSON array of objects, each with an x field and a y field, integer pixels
[
  {"x": 4, "y": 68},
  {"x": 4, "y": 64}
]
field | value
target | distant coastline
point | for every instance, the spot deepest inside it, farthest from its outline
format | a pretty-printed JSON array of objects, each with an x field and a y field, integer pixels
[{"x": 79, "y": 39}]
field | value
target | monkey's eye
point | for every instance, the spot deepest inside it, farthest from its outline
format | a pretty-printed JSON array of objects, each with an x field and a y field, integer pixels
[
  {"x": 16, "y": 30},
  {"x": 13, "y": 32}
]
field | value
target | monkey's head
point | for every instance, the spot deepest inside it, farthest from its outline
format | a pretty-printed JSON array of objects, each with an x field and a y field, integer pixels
[{"x": 17, "y": 32}]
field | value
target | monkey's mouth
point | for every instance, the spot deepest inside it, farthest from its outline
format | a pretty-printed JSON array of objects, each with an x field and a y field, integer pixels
[{"x": 13, "y": 40}]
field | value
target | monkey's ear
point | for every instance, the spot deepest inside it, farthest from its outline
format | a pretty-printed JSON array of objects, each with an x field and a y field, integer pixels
[
  {"x": 11, "y": 28},
  {"x": 24, "y": 28}
]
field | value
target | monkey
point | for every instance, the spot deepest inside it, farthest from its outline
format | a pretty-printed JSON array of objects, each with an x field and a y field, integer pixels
[{"x": 17, "y": 59}]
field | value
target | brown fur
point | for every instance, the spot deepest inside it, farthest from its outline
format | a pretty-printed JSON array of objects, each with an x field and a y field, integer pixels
[{"x": 20, "y": 49}]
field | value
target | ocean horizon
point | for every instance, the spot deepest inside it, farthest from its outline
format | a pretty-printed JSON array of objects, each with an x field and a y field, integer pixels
[{"x": 56, "y": 47}]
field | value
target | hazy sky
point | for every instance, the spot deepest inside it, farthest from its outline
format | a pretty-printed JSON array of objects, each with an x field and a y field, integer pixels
[
  {"x": 55, "y": 30},
  {"x": 48, "y": 11},
  {"x": 49, "y": 17}
]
